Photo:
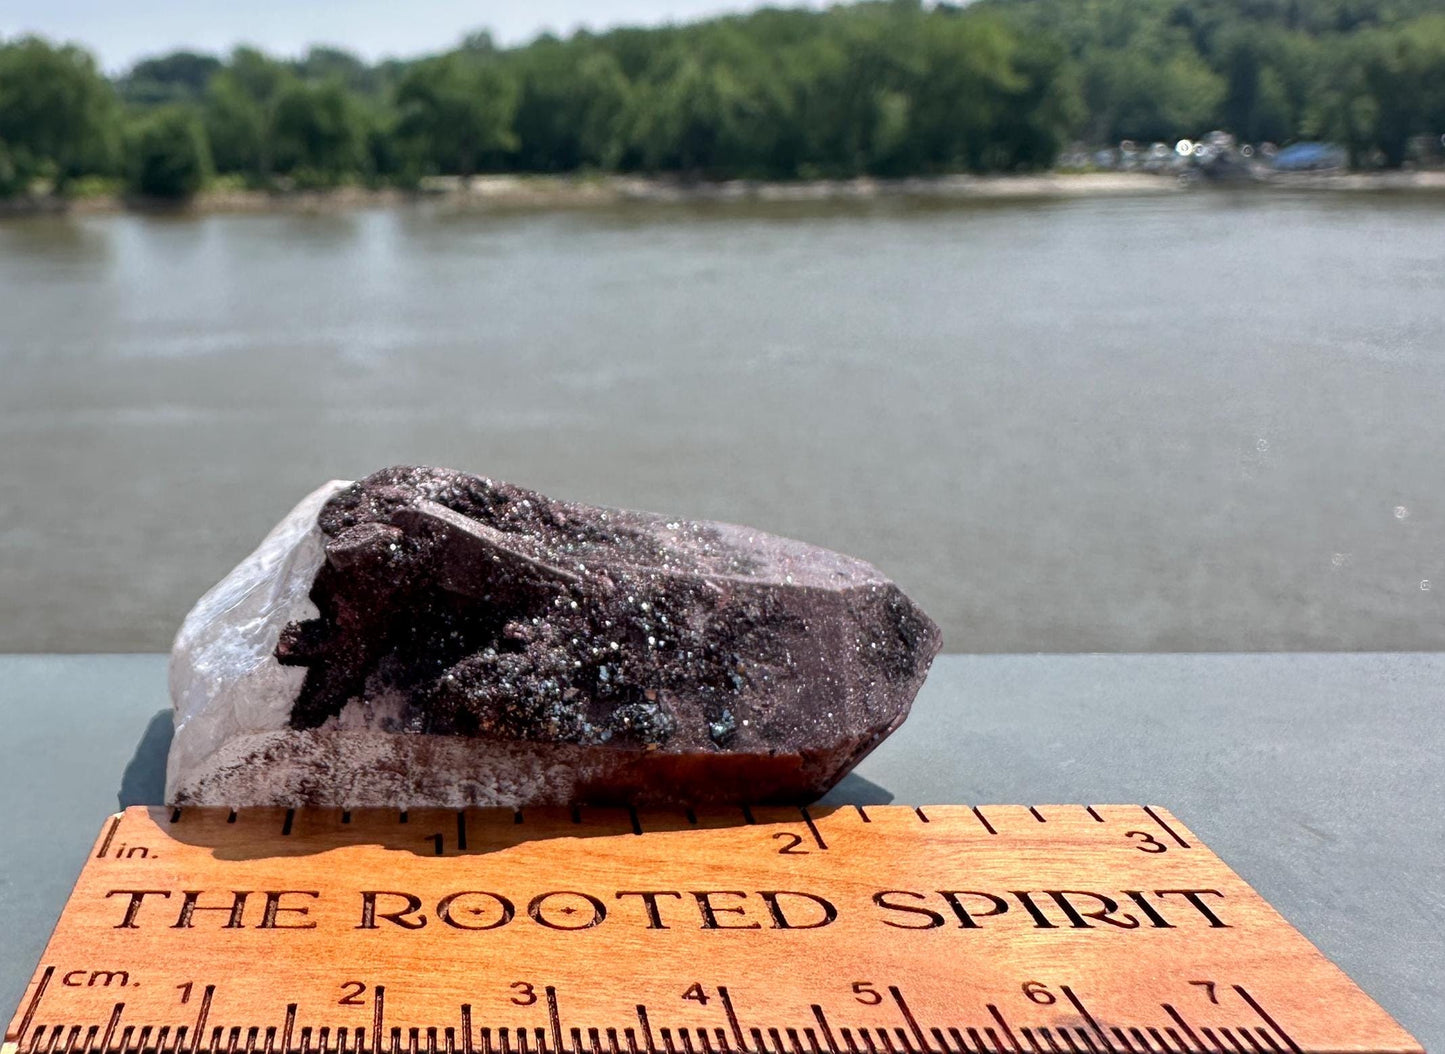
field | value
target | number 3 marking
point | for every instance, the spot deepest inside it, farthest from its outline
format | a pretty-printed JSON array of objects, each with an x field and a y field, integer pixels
[{"x": 1149, "y": 844}]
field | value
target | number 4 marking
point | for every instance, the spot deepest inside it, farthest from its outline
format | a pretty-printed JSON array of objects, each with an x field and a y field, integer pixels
[{"x": 1208, "y": 986}]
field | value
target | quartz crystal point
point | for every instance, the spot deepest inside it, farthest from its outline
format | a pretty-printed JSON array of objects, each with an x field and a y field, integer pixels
[{"x": 427, "y": 637}]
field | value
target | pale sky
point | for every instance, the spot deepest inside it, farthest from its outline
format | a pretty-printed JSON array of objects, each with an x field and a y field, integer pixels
[{"x": 120, "y": 33}]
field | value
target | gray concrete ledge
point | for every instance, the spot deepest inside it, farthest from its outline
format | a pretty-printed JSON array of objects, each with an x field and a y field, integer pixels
[{"x": 1319, "y": 778}]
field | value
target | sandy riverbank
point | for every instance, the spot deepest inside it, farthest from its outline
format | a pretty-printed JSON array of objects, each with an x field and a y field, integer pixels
[{"x": 562, "y": 192}]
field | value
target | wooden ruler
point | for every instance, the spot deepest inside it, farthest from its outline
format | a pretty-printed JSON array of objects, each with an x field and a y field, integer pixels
[{"x": 887, "y": 930}]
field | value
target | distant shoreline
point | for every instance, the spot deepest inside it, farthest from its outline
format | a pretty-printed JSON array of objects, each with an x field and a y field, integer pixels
[{"x": 543, "y": 192}]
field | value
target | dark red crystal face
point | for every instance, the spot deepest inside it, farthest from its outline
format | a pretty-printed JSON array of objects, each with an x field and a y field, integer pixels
[{"x": 708, "y": 662}]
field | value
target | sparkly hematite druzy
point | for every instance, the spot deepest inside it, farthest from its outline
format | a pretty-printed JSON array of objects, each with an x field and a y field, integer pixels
[{"x": 427, "y": 637}]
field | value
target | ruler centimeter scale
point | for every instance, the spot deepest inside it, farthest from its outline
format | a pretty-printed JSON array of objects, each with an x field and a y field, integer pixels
[{"x": 1059, "y": 929}]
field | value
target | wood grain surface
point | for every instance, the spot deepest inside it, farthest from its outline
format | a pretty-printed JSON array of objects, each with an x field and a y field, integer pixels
[{"x": 1055, "y": 929}]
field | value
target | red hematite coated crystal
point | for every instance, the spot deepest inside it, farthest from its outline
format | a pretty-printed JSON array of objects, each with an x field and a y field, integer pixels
[{"x": 469, "y": 642}]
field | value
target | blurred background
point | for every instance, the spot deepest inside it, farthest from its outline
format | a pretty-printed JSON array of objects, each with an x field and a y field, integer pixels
[{"x": 1099, "y": 325}]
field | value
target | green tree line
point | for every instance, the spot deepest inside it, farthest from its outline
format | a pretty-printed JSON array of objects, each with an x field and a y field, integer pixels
[{"x": 878, "y": 88}]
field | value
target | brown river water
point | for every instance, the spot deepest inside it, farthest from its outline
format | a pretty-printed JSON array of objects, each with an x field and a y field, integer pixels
[{"x": 1204, "y": 421}]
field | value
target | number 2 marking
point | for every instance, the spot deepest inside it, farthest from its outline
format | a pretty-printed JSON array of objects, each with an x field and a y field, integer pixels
[
  {"x": 352, "y": 997},
  {"x": 791, "y": 849}
]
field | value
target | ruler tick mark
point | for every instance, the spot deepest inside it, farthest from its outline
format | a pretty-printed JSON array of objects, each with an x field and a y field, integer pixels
[
  {"x": 812, "y": 828},
  {"x": 462, "y": 829},
  {"x": 1166, "y": 828},
  {"x": 1036, "y": 814},
  {"x": 861, "y": 814},
  {"x": 1084, "y": 1013},
  {"x": 1264, "y": 1034},
  {"x": 109, "y": 834},
  {"x": 34, "y": 1002},
  {"x": 204, "y": 1012},
  {"x": 554, "y": 1017},
  {"x": 903, "y": 1007},
  {"x": 1253, "y": 1045},
  {"x": 732, "y": 1016},
  {"x": 646, "y": 1028},
  {"x": 1266, "y": 1018},
  {"x": 1002, "y": 1024},
  {"x": 1091, "y": 811},
  {"x": 378, "y": 1012},
  {"x": 110, "y": 1027},
  {"x": 1160, "y": 1040},
  {"x": 921, "y": 814},
  {"x": 636, "y": 821},
  {"x": 1178, "y": 1020},
  {"x": 290, "y": 819},
  {"x": 822, "y": 1020},
  {"x": 984, "y": 820}
]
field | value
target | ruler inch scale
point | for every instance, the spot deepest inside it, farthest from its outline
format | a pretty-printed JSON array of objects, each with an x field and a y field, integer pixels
[{"x": 1051, "y": 929}]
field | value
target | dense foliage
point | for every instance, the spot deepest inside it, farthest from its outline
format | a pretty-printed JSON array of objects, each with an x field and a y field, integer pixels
[
  {"x": 881, "y": 88},
  {"x": 166, "y": 154}
]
